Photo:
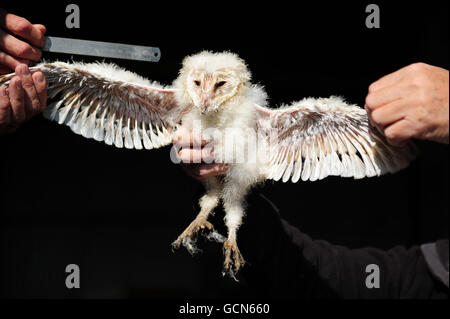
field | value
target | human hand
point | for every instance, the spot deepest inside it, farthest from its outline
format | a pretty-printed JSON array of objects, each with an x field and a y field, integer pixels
[
  {"x": 411, "y": 103},
  {"x": 196, "y": 155},
  {"x": 26, "y": 97},
  {"x": 14, "y": 51}
]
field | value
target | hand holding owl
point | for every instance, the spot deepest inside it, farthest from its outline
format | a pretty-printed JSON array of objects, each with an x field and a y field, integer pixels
[{"x": 411, "y": 103}]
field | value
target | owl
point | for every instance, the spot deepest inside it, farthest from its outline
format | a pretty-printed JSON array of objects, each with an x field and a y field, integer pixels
[{"x": 213, "y": 94}]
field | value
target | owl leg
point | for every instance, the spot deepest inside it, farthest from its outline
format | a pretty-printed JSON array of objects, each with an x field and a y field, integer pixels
[
  {"x": 234, "y": 211},
  {"x": 207, "y": 204}
]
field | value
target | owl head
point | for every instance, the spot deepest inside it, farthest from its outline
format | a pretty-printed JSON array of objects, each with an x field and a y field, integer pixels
[{"x": 209, "y": 80}]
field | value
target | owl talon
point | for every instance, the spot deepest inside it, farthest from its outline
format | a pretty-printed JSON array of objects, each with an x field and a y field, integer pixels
[
  {"x": 187, "y": 238},
  {"x": 233, "y": 259}
]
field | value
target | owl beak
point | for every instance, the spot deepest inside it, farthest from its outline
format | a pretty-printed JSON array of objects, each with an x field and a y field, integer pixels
[
  {"x": 205, "y": 101},
  {"x": 204, "y": 104},
  {"x": 207, "y": 95}
]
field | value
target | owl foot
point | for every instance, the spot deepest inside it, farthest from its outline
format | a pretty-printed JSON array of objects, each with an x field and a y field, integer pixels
[
  {"x": 188, "y": 237},
  {"x": 233, "y": 259}
]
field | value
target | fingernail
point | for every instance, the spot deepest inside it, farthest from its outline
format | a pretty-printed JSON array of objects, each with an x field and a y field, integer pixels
[
  {"x": 19, "y": 84},
  {"x": 25, "y": 70},
  {"x": 40, "y": 77}
]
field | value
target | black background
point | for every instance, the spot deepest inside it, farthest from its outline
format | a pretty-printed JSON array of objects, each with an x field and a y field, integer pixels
[{"x": 114, "y": 212}]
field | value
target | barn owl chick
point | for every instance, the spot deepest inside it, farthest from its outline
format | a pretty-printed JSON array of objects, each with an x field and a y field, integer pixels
[{"x": 308, "y": 140}]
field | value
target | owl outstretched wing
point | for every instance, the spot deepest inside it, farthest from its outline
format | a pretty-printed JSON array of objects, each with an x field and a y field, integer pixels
[
  {"x": 316, "y": 138},
  {"x": 106, "y": 103}
]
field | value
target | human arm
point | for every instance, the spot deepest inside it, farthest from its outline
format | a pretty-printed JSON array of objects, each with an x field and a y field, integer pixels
[{"x": 283, "y": 262}]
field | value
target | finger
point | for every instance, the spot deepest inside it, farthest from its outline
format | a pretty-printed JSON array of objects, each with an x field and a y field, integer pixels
[
  {"x": 5, "y": 108},
  {"x": 32, "y": 103},
  {"x": 41, "y": 28},
  {"x": 23, "y": 28},
  {"x": 17, "y": 100},
  {"x": 398, "y": 133},
  {"x": 185, "y": 138},
  {"x": 389, "y": 113},
  {"x": 209, "y": 170},
  {"x": 372, "y": 122},
  {"x": 18, "y": 48},
  {"x": 387, "y": 80},
  {"x": 179, "y": 135},
  {"x": 369, "y": 114},
  {"x": 41, "y": 89},
  {"x": 385, "y": 96},
  {"x": 202, "y": 171},
  {"x": 196, "y": 155},
  {"x": 10, "y": 63}
]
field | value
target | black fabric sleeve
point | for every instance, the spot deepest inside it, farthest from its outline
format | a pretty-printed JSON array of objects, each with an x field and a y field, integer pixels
[{"x": 285, "y": 263}]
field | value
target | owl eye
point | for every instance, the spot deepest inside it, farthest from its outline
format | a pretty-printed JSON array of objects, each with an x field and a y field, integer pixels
[
  {"x": 197, "y": 83},
  {"x": 221, "y": 83}
]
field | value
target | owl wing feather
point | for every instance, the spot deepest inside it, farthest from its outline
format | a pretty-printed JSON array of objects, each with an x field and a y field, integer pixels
[
  {"x": 106, "y": 103},
  {"x": 316, "y": 138}
]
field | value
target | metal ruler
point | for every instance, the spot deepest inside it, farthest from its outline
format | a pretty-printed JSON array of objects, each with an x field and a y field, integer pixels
[{"x": 102, "y": 49}]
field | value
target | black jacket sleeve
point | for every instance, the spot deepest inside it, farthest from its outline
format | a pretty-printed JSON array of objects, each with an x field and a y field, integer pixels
[{"x": 285, "y": 263}]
